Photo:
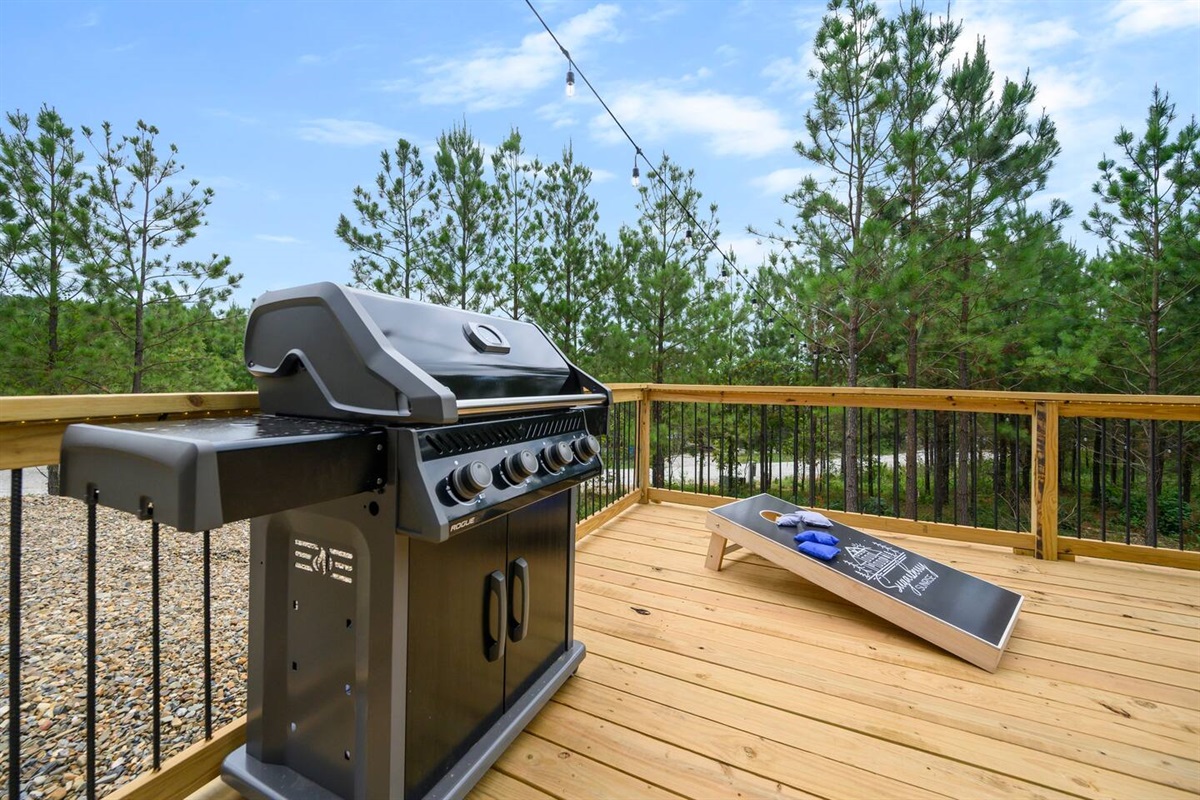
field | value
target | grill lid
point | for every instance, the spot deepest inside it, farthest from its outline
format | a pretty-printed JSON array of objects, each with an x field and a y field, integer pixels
[{"x": 329, "y": 351}]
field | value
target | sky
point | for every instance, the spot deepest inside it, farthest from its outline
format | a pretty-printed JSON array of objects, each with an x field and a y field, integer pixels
[{"x": 283, "y": 107}]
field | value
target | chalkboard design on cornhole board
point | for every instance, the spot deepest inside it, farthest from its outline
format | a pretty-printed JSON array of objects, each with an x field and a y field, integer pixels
[{"x": 960, "y": 613}]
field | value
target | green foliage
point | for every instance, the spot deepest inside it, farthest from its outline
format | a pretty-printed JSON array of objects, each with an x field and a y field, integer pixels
[
  {"x": 46, "y": 223},
  {"x": 140, "y": 220},
  {"x": 391, "y": 247},
  {"x": 664, "y": 300},
  {"x": 572, "y": 297},
  {"x": 1148, "y": 214},
  {"x": 517, "y": 232},
  {"x": 459, "y": 271}
]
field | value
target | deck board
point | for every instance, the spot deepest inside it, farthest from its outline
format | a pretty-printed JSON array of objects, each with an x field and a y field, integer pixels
[{"x": 753, "y": 683}]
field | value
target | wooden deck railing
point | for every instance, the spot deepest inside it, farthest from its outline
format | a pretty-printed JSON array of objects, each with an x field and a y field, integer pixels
[{"x": 640, "y": 446}]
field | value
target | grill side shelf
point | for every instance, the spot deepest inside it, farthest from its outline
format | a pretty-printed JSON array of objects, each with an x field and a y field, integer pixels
[{"x": 199, "y": 474}]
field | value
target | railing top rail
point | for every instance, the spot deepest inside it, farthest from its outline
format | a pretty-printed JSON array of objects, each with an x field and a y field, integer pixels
[
  {"x": 55, "y": 408},
  {"x": 1175, "y": 407},
  {"x": 61, "y": 408}
]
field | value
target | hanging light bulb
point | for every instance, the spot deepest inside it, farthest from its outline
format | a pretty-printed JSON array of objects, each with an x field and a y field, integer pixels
[
  {"x": 634, "y": 179},
  {"x": 570, "y": 80},
  {"x": 724, "y": 272},
  {"x": 687, "y": 237}
]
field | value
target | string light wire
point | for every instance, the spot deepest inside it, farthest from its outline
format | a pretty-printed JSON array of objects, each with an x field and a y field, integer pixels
[{"x": 760, "y": 298}]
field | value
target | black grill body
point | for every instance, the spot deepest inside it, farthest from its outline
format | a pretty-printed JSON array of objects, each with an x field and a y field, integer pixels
[{"x": 412, "y": 489}]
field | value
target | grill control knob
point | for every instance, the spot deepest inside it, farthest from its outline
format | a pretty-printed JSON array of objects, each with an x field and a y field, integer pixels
[
  {"x": 520, "y": 466},
  {"x": 586, "y": 448},
  {"x": 557, "y": 456},
  {"x": 468, "y": 481}
]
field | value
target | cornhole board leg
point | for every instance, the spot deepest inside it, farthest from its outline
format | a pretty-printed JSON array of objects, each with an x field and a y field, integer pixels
[
  {"x": 717, "y": 550},
  {"x": 962, "y": 614}
]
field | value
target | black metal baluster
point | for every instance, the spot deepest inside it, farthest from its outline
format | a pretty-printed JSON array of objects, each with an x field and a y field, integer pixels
[
  {"x": 846, "y": 456},
  {"x": 1179, "y": 483},
  {"x": 1104, "y": 479},
  {"x": 796, "y": 483},
  {"x": 953, "y": 453},
  {"x": 996, "y": 471},
  {"x": 975, "y": 470},
  {"x": 896, "y": 463},
  {"x": 1017, "y": 468},
  {"x": 1152, "y": 510},
  {"x": 667, "y": 450},
  {"x": 16, "y": 507},
  {"x": 1128, "y": 469},
  {"x": 1079, "y": 477},
  {"x": 735, "y": 490},
  {"x": 93, "y": 499},
  {"x": 938, "y": 498},
  {"x": 208, "y": 709},
  {"x": 764, "y": 450},
  {"x": 825, "y": 463},
  {"x": 156, "y": 678}
]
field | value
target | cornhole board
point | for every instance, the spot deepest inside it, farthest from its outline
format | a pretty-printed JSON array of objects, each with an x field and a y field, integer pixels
[{"x": 960, "y": 613}]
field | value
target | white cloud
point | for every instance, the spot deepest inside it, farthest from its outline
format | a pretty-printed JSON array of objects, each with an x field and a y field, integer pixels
[
  {"x": 749, "y": 251},
  {"x": 666, "y": 9},
  {"x": 498, "y": 77},
  {"x": 728, "y": 54},
  {"x": 1018, "y": 41},
  {"x": 350, "y": 132},
  {"x": 602, "y": 175},
  {"x": 88, "y": 20},
  {"x": 267, "y": 237},
  {"x": 730, "y": 125},
  {"x": 781, "y": 181},
  {"x": 559, "y": 114},
  {"x": 1142, "y": 17}
]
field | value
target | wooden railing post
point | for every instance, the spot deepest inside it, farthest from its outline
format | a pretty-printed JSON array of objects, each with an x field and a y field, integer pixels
[
  {"x": 643, "y": 445},
  {"x": 1043, "y": 497}
]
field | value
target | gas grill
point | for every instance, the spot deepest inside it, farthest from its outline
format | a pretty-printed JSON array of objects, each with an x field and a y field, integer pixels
[{"x": 411, "y": 488}]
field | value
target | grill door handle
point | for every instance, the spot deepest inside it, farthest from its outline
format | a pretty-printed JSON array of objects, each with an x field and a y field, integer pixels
[
  {"x": 493, "y": 646},
  {"x": 518, "y": 630}
]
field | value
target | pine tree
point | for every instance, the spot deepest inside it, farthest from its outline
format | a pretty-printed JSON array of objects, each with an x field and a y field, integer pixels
[
  {"x": 140, "y": 219},
  {"x": 574, "y": 299},
  {"x": 836, "y": 224},
  {"x": 464, "y": 209},
  {"x": 391, "y": 247},
  {"x": 517, "y": 229},
  {"x": 665, "y": 300},
  {"x": 997, "y": 157},
  {"x": 1148, "y": 216},
  {"x": 922, "y": 49},
  {"x": 46, "y": 225}
]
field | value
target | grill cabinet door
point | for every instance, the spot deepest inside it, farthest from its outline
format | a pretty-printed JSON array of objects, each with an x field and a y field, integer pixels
[
  {"x": 540, "y": 535},
  {"x": 454, "y": 692}
]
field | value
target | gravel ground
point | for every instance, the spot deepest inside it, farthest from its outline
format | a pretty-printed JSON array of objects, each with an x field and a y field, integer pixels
[{"x": 54, "y": 643}]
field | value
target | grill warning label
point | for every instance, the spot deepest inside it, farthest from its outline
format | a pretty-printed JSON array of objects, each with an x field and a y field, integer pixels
[{"x": 323, "y": 560}]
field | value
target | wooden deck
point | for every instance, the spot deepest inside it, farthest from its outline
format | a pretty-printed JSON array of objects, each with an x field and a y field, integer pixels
[{"x": 752, "y": 683}]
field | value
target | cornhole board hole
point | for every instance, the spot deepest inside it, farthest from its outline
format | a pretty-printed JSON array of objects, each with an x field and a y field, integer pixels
[{"x": 960, "y": 613}]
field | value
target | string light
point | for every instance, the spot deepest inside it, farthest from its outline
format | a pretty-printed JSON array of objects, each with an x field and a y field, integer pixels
[
  {"x": 687, "y": 237},
  {"x": 635, "y": 180},
  {"x": 570, "y": 79}
]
